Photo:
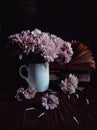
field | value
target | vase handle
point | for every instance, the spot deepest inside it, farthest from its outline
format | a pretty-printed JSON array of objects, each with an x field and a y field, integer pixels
[{"x": 21, "y": 72}]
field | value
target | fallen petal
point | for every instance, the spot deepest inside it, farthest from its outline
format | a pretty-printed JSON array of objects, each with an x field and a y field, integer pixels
[
  {"x": 87, "y": 101},
  {"x": 75, "y": 119},
  {"x": 41, "y": 115},
  {"x": 31, "y": 108}
]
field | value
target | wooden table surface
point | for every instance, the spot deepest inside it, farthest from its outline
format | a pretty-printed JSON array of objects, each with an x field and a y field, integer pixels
[{"x": 77, "y": 112}]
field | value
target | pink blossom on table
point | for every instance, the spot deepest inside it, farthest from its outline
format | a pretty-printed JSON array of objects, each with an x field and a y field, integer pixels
[
  {"x": 49, "y": 46},
  {"x": 70, "y": 84},
  {"x": 74, "y": 80},
  {"x": 20, "y": 91},
  {"x": 50, "y": 101},
  {"x": 28, "y": 93}
]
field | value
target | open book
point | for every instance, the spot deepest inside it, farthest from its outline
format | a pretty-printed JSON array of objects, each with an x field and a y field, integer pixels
[{"x": 82, "y": 59}]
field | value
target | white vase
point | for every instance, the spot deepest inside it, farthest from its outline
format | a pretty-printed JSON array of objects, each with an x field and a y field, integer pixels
[{"x": 37, "y": 75}]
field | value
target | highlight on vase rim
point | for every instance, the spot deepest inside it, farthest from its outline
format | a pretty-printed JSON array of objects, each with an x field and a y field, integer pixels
[{"x": 41, "y": 44}]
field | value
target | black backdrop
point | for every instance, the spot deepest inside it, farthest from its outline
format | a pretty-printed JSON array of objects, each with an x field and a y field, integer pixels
[{"x": 69, "y": 20}]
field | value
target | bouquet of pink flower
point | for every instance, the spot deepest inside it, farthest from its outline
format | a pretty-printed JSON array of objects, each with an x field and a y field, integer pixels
[{"x": 48, "y": 46}]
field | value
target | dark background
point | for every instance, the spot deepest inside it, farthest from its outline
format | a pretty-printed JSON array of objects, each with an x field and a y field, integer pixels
[{"x": 69, "y": 20}]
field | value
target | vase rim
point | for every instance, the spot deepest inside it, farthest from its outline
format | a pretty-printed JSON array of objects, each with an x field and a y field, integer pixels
[{"x": 38, "y": 62}]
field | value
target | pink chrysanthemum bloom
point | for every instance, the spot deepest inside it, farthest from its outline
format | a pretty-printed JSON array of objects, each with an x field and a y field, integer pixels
[
  {"x": 70, "y": 84},
  {"x": 49, "y": 46},
  {"x": 29, "y": 93},
  {"x": 50, "y": 101},
  {"x": 66, "y": 53},
  {"x": 19, "y": 93}
]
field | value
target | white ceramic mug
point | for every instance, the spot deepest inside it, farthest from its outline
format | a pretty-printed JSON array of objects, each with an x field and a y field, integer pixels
[{"x": 37, "y": 75}]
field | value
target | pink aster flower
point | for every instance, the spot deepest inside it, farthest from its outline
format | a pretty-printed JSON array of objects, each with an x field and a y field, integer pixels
[
  {"x": 19, "y": 94},
  {"x": 70, "y": 84},
  {"x": 50, "y": 101},
  {"x": 28, "y": 93},
  {"x": 65, "y": 53}
]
